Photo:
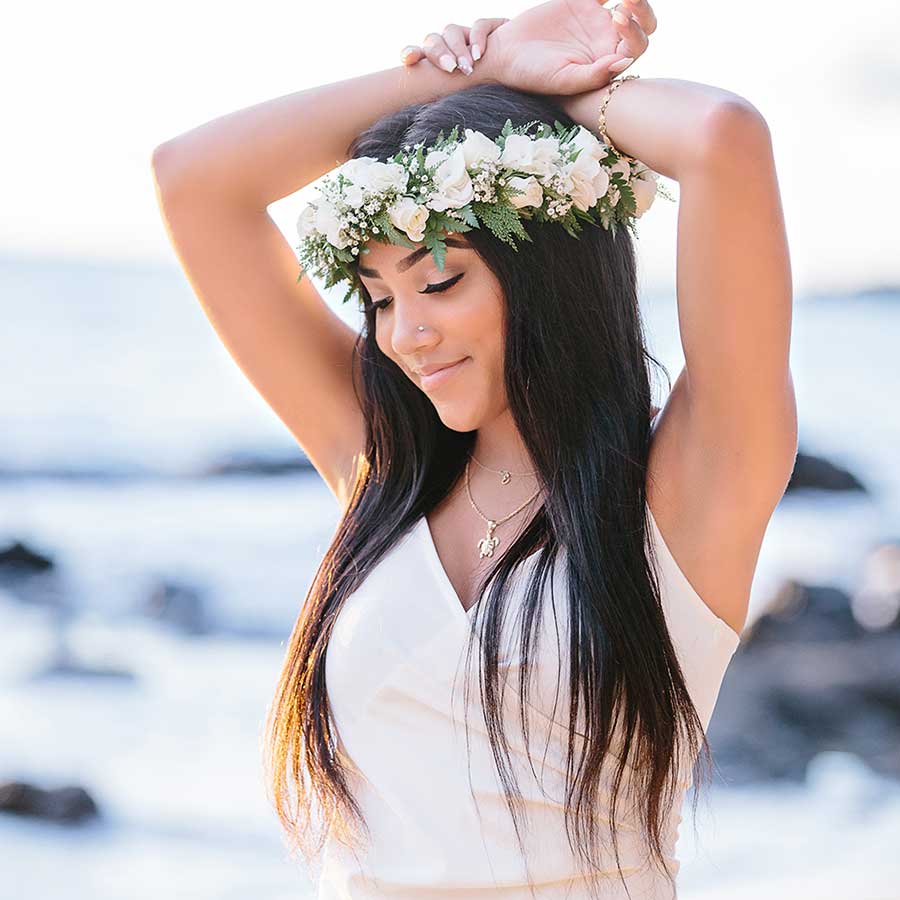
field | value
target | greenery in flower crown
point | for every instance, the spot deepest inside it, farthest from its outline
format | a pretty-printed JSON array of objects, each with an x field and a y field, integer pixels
[{"x": 367, "y": 199}]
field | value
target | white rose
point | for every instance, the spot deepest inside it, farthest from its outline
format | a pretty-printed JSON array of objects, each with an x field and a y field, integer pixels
[
  {"x": 522, "y": 153},
  {"x": 534, "y": 193},
  {"x": 353, "y": 168},
  {"x": 601, "y": 182},
  {"x": 328, "y": 222},
  {"x": 306, "y": 222},
  {"x": 479, "y": 148},
  {"x": 580, "y": 178},
  {"x": 588, "y": 143},
  {"x": 452, "y": 185},
  {"x": 353, "y": 171},
  {"x": 354, "y": 195},
  {"x": 409, "y": 216},
  {"x": 368, "y": 174},
  {"x": 644, "y": 187},
  {"x": 435, "y": 158},
  {"x": 381, "y": 177}
]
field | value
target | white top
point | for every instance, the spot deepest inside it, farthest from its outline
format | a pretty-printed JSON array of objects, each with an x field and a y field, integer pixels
[{"x": 390, "y": 671}]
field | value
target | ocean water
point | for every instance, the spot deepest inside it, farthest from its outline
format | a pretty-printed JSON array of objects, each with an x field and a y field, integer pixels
[{"x": 113, "y": 374}]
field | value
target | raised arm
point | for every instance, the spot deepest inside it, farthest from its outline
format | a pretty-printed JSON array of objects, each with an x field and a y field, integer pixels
[
  {"x": 727, "y": 439},
  {"x": 214, "y": 184}
]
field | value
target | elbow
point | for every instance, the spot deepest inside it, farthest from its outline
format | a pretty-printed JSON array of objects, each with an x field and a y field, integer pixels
[
  {"x": 735, "y": 131},
  {"x": 161, "y": 166},
  {"x": 164, "y": 165},
  {"x": 172, "y": 168}
]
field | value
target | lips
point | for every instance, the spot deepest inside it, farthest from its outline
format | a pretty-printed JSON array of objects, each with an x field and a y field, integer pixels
[
  {"x": 430, "y": 369},
  {"x": 439, "y": 376}
]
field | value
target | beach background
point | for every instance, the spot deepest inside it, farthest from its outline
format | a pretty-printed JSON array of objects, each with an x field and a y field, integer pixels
[{"x": 158, "y": 528}]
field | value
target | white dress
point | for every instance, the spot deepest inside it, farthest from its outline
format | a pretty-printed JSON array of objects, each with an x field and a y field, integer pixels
[{"x": 440, "y": 828}]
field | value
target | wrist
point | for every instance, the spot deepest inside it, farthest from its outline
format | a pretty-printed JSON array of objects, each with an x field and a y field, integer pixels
[
  {"x": 585, "y": 108},
  {"x": 486, "y": 70},
  {"x": 425, "y": 80}
]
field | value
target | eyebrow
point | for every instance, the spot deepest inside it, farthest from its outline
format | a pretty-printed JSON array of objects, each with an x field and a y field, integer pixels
[{"x": 410, "y": 260}]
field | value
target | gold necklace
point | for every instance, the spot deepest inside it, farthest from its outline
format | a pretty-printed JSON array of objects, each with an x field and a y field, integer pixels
[
  {"x": 487, "y": 544},
  {"x": 505, "y": 473}
]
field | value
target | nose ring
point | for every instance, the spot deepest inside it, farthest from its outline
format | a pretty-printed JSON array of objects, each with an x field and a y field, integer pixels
[{"x": 421, "y": 328}]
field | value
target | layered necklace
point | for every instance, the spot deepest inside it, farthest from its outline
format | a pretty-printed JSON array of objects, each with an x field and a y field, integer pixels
[{"x": 487, "y": 544}]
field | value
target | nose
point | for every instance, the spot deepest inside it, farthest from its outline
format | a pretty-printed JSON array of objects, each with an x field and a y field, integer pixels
[{"x": 406, "y": 336}]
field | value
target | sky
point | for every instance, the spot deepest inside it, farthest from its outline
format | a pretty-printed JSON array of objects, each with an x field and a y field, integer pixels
[{"x": 92, "y": 88}]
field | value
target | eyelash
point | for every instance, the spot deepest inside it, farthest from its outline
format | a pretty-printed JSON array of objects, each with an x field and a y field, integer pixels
[{"x": 429, "y": 289}]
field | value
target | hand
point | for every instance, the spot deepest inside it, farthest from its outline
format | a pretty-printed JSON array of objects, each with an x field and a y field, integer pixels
[
  {"x": 458, "y": 45},
  {"x": 561, "y": 47}
]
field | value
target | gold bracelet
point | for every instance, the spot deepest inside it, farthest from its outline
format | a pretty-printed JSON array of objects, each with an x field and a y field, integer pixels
[{"x": 601, "y": 121}]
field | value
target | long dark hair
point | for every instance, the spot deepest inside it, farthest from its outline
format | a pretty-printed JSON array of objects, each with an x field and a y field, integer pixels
[{"x": 574, "y": 342}]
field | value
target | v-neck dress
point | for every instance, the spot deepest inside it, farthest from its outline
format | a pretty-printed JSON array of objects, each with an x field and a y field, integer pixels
[{"x": 439, "y": 825}]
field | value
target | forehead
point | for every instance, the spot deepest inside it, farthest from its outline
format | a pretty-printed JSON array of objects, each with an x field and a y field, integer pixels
[{"x": 388, "y": 260}]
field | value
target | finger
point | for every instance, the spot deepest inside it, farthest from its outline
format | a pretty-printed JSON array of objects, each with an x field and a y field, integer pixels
[
  {"x": 411, "y": 54},
  {"x": 478, "y": 35},
  {"x": 643, "y": 12},
  {"x": 438, "y": 53},
  {"x": 576, "y": 78},
  {"x": 457, "y": 39},
  {"x": 634, "y": 42}
]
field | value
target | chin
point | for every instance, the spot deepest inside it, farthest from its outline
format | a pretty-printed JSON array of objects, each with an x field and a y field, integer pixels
[
  {"x": 459, "y": 417},
  {"x": 456, "y": 422}
]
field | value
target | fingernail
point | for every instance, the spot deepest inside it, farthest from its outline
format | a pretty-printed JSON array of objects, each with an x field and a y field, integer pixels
[
  {"x": 621, "y": 64},
  {"x": 620, "y": 17},
  {"x": 447, "y": 62},
  {"x": 464, "y": 65},
  {"x": 476, "y": 52},
  {"x": 406, "y": 51}
]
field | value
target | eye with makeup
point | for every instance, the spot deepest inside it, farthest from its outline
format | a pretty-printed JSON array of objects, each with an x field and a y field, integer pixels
[{"x": 429, "y": 289}]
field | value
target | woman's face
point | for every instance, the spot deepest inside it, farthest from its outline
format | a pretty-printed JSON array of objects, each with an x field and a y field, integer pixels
[{"x": 461, "y": 309}]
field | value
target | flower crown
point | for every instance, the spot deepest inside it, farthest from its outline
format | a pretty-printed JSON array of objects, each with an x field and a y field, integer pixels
[{"x": 418, "y": 194}]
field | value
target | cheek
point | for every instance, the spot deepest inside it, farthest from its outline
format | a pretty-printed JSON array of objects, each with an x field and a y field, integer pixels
[{"x": 484, "y": 328}]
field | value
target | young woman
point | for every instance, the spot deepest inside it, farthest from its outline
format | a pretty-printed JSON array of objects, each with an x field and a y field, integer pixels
[{"x": 627, "y": 543}]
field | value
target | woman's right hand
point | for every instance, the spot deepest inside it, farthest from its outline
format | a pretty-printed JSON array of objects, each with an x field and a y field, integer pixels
[{"x": 560, "y": 47}]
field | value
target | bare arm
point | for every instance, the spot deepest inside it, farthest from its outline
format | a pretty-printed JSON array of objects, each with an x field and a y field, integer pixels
[
  {"x": 259, "y": 154},
  {"x": 214, "y": 184},
  {"x": 726, "y": 444}
]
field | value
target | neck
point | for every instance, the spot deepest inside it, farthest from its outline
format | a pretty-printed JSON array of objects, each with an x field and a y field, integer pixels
[{"x": 498, "y": 445}]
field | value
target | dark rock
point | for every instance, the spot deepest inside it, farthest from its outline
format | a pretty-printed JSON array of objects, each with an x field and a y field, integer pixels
[
  {"x": 31, "y": 576},
  {"x": 179, "y": 605},
  {"x": 808, "y": 678},
  {"x": 816, "y": 472},
  {"x": 803, "y": 613},
  {"x": 18, "y": 558},
  {"x": 65, "y": 804}
]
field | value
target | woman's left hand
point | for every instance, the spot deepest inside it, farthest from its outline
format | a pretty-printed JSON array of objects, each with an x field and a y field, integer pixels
[{"x": 560, "y": 47}]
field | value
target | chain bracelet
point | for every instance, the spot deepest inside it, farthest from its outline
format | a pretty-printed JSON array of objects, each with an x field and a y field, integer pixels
[{"x": 601, "y": 120}]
